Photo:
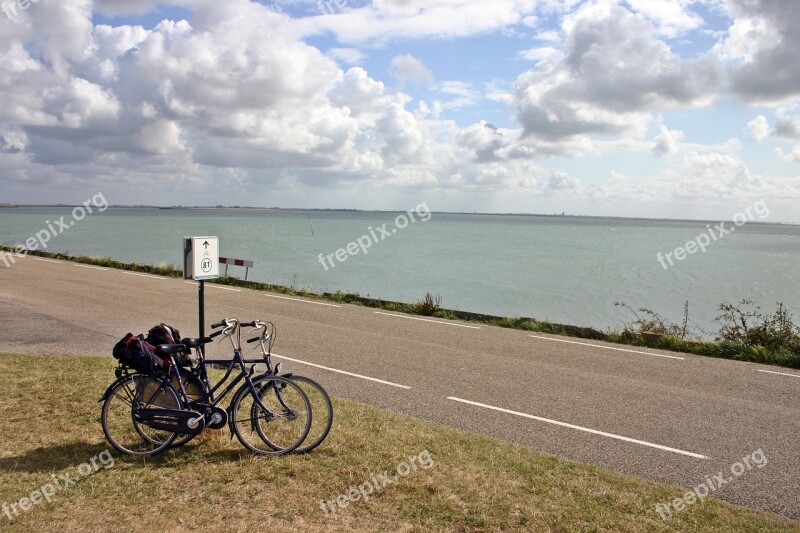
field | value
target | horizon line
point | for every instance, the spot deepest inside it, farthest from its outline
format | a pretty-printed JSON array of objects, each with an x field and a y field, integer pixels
[{"x": 353, "y": 210}]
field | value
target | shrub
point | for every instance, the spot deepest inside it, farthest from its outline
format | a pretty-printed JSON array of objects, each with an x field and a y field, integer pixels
[
  {"x": 430, "y": 305},
  {"x": 652, "y": 322},
  {"x": 747, "y": 326}
]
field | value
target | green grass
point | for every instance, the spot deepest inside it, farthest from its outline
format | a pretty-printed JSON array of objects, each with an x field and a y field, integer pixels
[
  {"x": 51, "y": 425},
  {"x": 725, "y": 350}
]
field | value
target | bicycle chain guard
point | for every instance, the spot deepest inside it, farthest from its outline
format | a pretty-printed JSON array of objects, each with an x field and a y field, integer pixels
[{"x": 174, "y": 420}]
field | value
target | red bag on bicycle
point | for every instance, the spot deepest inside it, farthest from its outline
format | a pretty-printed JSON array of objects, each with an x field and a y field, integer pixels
[{"x": 135, "y": 352}]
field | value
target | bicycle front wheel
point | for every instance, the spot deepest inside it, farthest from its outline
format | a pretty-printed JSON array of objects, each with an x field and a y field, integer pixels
[
  {"x": 279, "y": 429},
  {"x": 129, "y": 395},
  {"x": 321, "y": 411}
]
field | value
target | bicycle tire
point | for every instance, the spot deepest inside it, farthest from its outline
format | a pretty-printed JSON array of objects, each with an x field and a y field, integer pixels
[
  {"x": 117, "y": 416},
  {"x": 287, "y": 424},
  {"x": 321, "y": 411}
]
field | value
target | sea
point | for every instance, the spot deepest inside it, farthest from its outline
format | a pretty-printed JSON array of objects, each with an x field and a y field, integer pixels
[{"x": 565, "y": 269}]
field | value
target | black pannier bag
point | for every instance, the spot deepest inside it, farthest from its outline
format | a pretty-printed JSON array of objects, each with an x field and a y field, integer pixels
[
  {"x": 134, "y": 351},
  {"x": 164, "y": 334}
]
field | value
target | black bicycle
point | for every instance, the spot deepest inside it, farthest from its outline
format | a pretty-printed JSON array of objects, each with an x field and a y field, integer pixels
[
  {"x": 144, "y": 414},
  {"x": 321, "y": 406}
]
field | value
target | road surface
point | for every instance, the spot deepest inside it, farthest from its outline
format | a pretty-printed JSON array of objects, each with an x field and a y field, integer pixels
[{"x": 665, "y": 416}]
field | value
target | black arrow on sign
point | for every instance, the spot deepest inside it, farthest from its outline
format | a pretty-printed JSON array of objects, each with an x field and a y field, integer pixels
[{"x": 206, "y": 245}]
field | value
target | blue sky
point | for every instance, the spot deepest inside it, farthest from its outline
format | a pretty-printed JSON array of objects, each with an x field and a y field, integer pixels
[{"x": 657, "y": 108}]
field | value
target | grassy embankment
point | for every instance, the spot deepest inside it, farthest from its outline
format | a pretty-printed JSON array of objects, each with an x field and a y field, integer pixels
[
  {"x": 758, "y": 341},
  {"x": 51, "y": 426}
]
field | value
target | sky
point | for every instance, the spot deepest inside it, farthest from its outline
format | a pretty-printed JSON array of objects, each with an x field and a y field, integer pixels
[{"x": 637, "y": 108}]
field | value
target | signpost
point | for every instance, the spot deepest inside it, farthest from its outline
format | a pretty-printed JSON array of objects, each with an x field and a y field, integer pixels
[{"x": 201, "y": 262}]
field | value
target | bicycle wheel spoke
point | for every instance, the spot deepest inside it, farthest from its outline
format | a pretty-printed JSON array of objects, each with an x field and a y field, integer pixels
[
  {"x": 120, "y": 425},
  {"x": 322, "y": 410},
  {"x": 274, "y": 431}
]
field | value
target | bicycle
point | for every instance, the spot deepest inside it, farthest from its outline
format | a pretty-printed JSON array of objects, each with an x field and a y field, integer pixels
[
  {"x": 321, "y": 406},
  {"x": 144, "y": 414}
]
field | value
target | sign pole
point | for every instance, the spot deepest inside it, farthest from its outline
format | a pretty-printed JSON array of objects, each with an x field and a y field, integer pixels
[
  {"x": 202, "y": 312},
  {"x": 201, "y": 262}
]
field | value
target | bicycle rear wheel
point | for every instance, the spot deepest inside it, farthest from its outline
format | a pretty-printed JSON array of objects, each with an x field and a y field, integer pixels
[
  {"x": 126, "y": 396},
  {"x": 282, "y": 427}
]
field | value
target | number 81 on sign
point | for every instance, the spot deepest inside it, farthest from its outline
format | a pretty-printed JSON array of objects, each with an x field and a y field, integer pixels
[{"x": 201, "y": 258}]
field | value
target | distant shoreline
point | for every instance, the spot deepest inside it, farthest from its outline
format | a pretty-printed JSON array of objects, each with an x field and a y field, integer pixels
[{"x": 332, "y": 210}]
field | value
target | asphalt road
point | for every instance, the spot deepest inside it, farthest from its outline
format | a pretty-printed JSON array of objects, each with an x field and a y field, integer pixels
[{"x": 670, "y": 417}]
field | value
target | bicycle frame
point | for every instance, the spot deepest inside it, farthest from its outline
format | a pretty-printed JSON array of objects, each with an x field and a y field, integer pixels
[
  {"x": 207, "y": 398},
  {"x": 266, "y": 350}
]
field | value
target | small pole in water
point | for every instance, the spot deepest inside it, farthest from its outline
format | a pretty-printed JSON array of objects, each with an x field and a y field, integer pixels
[{"x": 309, "y": 225}]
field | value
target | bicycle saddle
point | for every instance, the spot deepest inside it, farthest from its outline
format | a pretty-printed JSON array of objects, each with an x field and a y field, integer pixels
[
  {"x": 194, "y": 343},
  {"x": 171, "y": 349}
]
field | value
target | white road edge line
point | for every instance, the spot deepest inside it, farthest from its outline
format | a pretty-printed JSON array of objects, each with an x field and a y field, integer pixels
[
  {"x": 224, "y": 288},
  {"x": 376, "y": 380},
  {"x": 607, "y": 347},
  {"x": 142, "y": 275},
  {"x": 580, "y": 428},
  {"x": 89, "y": 266},
  {"x": 48, "y": 260},
  {"x": 428, "y": 320},
  {"x": 217, "y": 287},
  {"x": 779, "y": 373},
  {"x": 299, "y": 300}
]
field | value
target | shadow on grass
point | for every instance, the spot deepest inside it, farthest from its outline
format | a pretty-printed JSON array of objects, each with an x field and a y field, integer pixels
[
  {"x": 53, "y": 458},
  {"x": 194, "y": 453},
  {"x": 71, "y": 455}
]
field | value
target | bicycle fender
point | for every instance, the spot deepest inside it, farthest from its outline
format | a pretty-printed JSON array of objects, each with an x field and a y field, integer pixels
[{"x": 107, "y": 392}]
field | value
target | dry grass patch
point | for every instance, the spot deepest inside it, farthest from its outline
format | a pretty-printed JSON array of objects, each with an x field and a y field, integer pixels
[{"x": 51, "y": 426}]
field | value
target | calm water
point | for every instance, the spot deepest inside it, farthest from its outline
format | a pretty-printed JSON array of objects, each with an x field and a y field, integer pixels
[{"x": 565, "y": 269}]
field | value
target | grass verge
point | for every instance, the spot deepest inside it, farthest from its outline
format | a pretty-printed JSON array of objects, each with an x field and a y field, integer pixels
[{"x": 51, "y": 426}]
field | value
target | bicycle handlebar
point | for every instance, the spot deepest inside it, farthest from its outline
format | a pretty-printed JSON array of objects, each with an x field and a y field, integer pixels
[
  {"x": 218, "y": 324},
  {"x": 215, "y": 334},
  {"x": 248, "y": 324},
  {"x": 254, "y": 339}
]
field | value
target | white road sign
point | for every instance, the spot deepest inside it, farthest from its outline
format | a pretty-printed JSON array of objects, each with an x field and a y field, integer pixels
[{"x": 201, "y": 258}]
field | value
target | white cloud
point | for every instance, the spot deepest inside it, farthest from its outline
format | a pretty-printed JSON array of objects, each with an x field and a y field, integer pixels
[
  {"x": 792, "y": 156},
  {"x": 348, "y": 56},
  {"x": 384, "y": 20},
  {"x": 117, "y": 7},
  {"x": 613, "y": 70},
  {"x": 667, "y": 142},
  {"x": 460, "y": 94},
  {"x": 232, "y": 98},
  {"x": 546, "y": 54},
  {"x": 671, "y": 17},
  {"x": 13, "y": 139},
  {"x": 197, "y": 102},
  {"x": 699, "y": 180},
  {"x": 409, "y": 69},
  {"x": 765, "y": 37},
  {"x": 561, "y": 181},
  {"x": 713, "y": 176},
  {"x": 758, "y": 129},
  {"x": 746, "y": 37},
  {"x": 161, "y": 137}
]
